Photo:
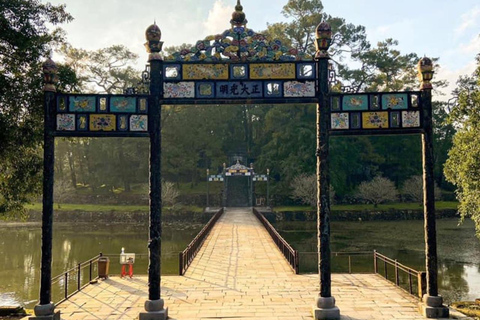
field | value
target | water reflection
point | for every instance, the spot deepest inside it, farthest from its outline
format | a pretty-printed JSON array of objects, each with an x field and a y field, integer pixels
[
  {"x": 20, "y": 252},
  {"x": 458, "y": 249}
]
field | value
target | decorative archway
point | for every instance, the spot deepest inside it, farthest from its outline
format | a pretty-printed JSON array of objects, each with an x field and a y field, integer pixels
[{"x": 239, "y": 66}]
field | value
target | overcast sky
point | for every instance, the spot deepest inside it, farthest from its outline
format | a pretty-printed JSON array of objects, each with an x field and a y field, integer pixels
[{"x": 435, "y": 28}]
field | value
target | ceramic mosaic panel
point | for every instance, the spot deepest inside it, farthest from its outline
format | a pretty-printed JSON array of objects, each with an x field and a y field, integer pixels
[
  {"x": 102, "y": 122},
  {"x": 355, "y": 120},
  {"x": 339, "y": 121},
  {"x": 395, "y": 119},
  {"x": 179, "y": 90},
  {"x": 102, "y": 103},
  {"x": 205, "y": 71},
  {"x": 82, "y": 122},
  {"x": 239, "y": 89},
  {"x": 395, "y": 101},
  {"x": 205, "y": 90},
  {"x": 272, "y": 71},
  {"x": 299, "y": 89},
  {"x": 139, "y": 123},
  {"x": 82, "y": 104},
  {"x": 239, "y": 71},
  {"x": 411, "y": 119},
  {"x": 375, "y": 120},
  {"x": 273, "y": 89},
  {"x": 123, "y": 104},
  {"x": 122, "y": 122},
  {"x": 62, "y": 104},
  {"x": 66, "y": 122},
  {"x": 143, "y": 105},
  {"x": 355, "y": 103},
  {"x": 306, "y": 70}
]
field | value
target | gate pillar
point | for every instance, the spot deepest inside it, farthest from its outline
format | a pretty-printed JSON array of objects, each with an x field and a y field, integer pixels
[
  {"x": 46, "y": 309},
  {"x": 432, "y": 304},
  {"x": 325, "y": 305},
  {"x": 154, "y": 306}
]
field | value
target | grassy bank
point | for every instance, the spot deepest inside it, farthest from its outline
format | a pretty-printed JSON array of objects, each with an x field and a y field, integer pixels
[
  {"x": 106, "y": 208},
  {"x": 440, "y": 205}
]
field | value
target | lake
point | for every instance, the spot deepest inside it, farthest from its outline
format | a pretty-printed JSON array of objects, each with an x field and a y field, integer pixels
[
  {"x": 458, "y": 249},
  {"x": 20, "y": 253}
]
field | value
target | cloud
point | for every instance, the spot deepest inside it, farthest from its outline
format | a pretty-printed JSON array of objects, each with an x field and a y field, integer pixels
[
  {"x": 452, "y": 75},
  {"x": 218, "y": 18},
  {"x": 469, "y": 20},
  {"x": 473, "y": 47}
]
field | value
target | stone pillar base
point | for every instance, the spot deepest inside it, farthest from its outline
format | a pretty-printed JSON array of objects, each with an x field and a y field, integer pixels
[
  {"x": 45, "y": 312},
  {"x": 432, "y": 307},
  {"x": 154, "y": 315},
  {"x": 155, "y": 310},
  {"x": 326, "y": 309},
  {"x": 54, "y": 316}
]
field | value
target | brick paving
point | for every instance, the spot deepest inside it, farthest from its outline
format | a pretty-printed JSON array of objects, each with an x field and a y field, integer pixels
[{"x": 240, "y": 274}]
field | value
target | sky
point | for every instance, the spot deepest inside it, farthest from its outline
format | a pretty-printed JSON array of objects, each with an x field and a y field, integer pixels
[{"x": 449, "y": 30}]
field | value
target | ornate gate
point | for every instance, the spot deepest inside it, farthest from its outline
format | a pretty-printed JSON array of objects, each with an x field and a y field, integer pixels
[{"x": 239, "y": 66}]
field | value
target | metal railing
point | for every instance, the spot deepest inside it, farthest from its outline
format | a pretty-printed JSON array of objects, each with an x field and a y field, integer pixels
[
  {"x": 186, "y": 257},
  {"x": 78, "y": 274},
  {"x": 288, "y": 252},
  {"x": 406, "y": 278},
  {"x": 350, "y": 258}
]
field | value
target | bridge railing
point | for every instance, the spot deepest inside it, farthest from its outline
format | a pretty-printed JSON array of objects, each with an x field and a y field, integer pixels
[
  {"x": 406, "y": 278},
  {"x": 288, "y": 252},
  {"x": 186, "y": 257},
  {"x": 74, "y": 280}
]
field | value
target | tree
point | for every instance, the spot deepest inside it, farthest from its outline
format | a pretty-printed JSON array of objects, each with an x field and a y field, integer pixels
[
  {"x": 463, "y": 165},
  {"x": 300, "y": 32},
  {"x": 108, "y": 69},
  {"x": 169, "y": 193},
  {"x": 413, "y": 189},
  {"x": 304, "y": 189},
  {"x": 25, "y": 42},
  {"x": 377, "y": 191}
]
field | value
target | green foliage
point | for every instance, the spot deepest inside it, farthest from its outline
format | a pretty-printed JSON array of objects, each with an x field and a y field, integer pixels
[
  {"x": 25, "y": 43},
  {"x": 109, "y": 70},
  {"x": 463, "y": 165},
  {"x": 305, "y": 15}
]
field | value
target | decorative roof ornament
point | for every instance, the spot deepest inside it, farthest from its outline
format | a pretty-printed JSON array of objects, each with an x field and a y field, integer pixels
[
  {"x": 50, "y": 77},
  {"x": 239, "y": 166},
  {"x": 425, "y": 73},
  {"x": 238, "y": 16},
  {"x": 323, "y": 40},
  {"x": 239, "y": 44},
  {"x": 153, "y": 34}
]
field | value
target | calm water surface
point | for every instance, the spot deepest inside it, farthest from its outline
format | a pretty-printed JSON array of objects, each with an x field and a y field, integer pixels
[
  {"x": 20, "y": 252},
  {"x": 458, "y": 251}
]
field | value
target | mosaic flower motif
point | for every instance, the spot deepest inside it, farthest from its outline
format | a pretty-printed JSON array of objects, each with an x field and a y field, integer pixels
[
  {"x": 375, "y": 120},
  {"x": 411, "y": 119},
  {"x": 139, "y": 123},
  {"x": 179, "y": 90},
  {"x": 299, "y": 89},
  {"x": 65, "y": 122},
  {"x": 339, "y": 121},
  {"x": 102, "y": 122}
]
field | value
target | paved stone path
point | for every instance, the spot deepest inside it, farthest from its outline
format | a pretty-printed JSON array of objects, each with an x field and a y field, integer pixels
[{"x": 240, "y": 274}]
